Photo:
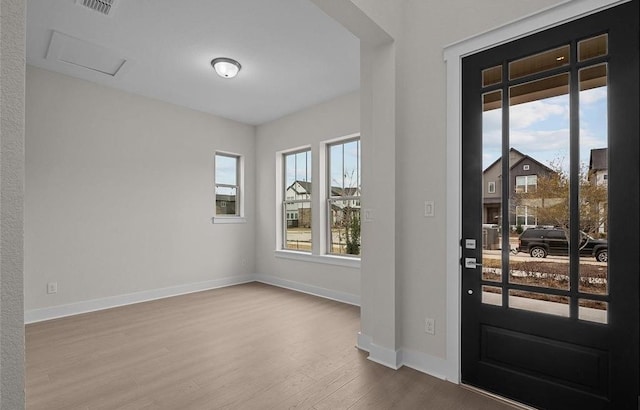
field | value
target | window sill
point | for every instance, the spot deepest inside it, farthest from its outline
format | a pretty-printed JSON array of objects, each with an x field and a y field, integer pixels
[
  {"x": 228, "y": 220},
  {"x": 345, "y": 261}
]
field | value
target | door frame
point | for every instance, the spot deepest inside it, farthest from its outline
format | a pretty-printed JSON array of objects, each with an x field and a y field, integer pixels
[{"x": 453, "y": 54}]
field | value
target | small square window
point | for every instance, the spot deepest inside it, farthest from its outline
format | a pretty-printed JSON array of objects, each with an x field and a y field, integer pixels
[{"x": 525, "y": 167}]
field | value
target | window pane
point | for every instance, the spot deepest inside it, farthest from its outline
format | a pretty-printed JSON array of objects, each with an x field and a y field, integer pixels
[
  {"x": 491, "y": 76},
  {"x": 344, "y": 172},
  {"x": 226, "y": 200},
  {"x": 344, "y": 223},
  {"x": 343, "y": 215},
  {"x": 351, "y": 168},
  {"x": 492, "y": 295},
  {"x": 491, "y": 178},
  {"x": 592, "y": 310},
  {"x": 539, "y": 136},
  {"x": 594, "y": 191},
  {"x": 303, "y": 166},
  {"x": 539, "y": 63},
  {"x": 593, "y": 47},
  {"x": 539, "y": 302},
  {"x": 226, "y": 171},
  {"x": 298, "y": 168},
  {"x": 297, "y": 226},
  {"x": 297, "y": 201},
  {"x": 337, "y": 167}
]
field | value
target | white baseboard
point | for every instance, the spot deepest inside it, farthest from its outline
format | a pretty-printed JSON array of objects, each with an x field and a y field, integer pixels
[
  {"x": 379, "y": 354},
  {"x": 54, "y": 312},
  {"x": 431, "y": 365},
  {"x": 343, "y": 297}
]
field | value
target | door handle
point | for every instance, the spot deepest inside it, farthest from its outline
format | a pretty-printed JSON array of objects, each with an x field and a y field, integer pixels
[{"x": 470, "y": 263}]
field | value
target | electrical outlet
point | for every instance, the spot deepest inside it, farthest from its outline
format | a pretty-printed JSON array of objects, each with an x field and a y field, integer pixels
[
  {"x": 430, "y": 326},
  {"x": 52, "y": 287}
]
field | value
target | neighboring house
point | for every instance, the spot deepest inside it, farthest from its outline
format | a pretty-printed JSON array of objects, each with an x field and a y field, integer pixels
[
  {"x": 338, "y": 206},
  {"x": 225, "y": 204},
  {"x": 298, "y": 214},
  {"x": 523, "y": 172},
  {"x": 598, "y": 166},
  {"x": 599, "y": 175}
]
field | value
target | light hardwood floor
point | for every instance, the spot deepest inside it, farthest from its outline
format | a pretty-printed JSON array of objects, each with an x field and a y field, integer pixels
[{"x": 250, "y": 346}]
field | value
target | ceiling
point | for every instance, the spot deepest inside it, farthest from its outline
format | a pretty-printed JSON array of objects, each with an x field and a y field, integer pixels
[{"x": 292, "y": 54}]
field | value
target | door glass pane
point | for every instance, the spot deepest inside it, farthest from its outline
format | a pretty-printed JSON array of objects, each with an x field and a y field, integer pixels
[
  {"x": 593, "y": 47},
  {"x": 539, "y": 182},
  {"x": 592, "y": 310},
  {"x": 492, "y": 295},
  {"x": 539, "y": 302},
  {"x": 594, "y": 252},
  {"x": 539, "y": 63},
  {"x": 491, "y": 186},
  {"x": 491, "y": 76}
]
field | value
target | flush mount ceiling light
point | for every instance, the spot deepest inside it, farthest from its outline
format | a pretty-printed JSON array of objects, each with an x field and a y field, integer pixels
[{"x": 226, "y": 67}]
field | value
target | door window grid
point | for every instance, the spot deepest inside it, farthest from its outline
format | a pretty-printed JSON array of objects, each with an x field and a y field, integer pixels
[{"x": 583, "y": 308}]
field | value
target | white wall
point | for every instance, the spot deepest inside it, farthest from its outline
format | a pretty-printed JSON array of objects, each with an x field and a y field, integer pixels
[
  {"x": 337, "y": 118},
  {"x": 12, "y": 60},
  {"x": 420, "y": 35},
  {"x": 119, "y": 194}
]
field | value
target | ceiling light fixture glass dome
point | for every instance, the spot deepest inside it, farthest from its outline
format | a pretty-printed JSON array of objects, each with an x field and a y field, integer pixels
[{"x": 226, "y": 67}]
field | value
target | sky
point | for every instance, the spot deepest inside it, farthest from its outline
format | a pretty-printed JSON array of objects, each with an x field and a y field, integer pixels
[
  {"x": 344, "y": 164},
  {"x": 344, "y": 160},
  {"x": 540, "y": 128}
]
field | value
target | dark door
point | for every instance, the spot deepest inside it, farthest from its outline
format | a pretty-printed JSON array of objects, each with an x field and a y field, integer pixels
[{"x": 556, "y": 115}]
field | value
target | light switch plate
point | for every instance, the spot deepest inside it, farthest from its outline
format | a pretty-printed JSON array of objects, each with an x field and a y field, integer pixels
[{"x": 429, "y": 208}]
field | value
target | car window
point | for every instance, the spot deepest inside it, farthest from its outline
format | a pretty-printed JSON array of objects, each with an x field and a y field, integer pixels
[{"x": 556, "y": 235}]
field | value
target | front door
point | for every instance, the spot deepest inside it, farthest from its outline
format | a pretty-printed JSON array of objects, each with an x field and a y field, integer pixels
[{"x": 550, "y": 128}]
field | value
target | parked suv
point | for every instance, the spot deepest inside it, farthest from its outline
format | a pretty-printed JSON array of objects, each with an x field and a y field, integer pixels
[{"x": 540, "y": 242}]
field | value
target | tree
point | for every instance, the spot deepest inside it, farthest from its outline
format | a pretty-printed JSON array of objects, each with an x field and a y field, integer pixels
[
  {"x": 352, "y": 232},
  {"x": 551, "y": 200}
]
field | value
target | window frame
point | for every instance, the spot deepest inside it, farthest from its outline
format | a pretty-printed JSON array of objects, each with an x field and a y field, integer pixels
[
  {"x": 238, "y": 216},
  {"x": 283, "y": 205},
  {"x": 491, "y": 187},
  {"x": 333, "y": 198},
  {"x": 529, "y": 212},
  {"x": 526, "y": 183}
]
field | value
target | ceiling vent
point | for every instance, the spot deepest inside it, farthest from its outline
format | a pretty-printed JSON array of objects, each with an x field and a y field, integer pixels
[{"x": 101, "y": 6}]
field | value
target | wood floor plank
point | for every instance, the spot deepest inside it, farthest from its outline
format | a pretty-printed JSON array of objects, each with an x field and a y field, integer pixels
[{"x": 250, "y": 346}]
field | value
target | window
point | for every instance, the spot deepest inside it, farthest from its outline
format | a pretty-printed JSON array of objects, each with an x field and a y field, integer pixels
[
  {"x": 343, "y": 197},
  {"x": 525, "y": 167},
  {"x": 526, "y": 183},
  {"x": 525, "y": 215},
  {"x": 296, "y": 207},
  {"x": 227, "y": 185},
  {"x": 491, "y": 187}
]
